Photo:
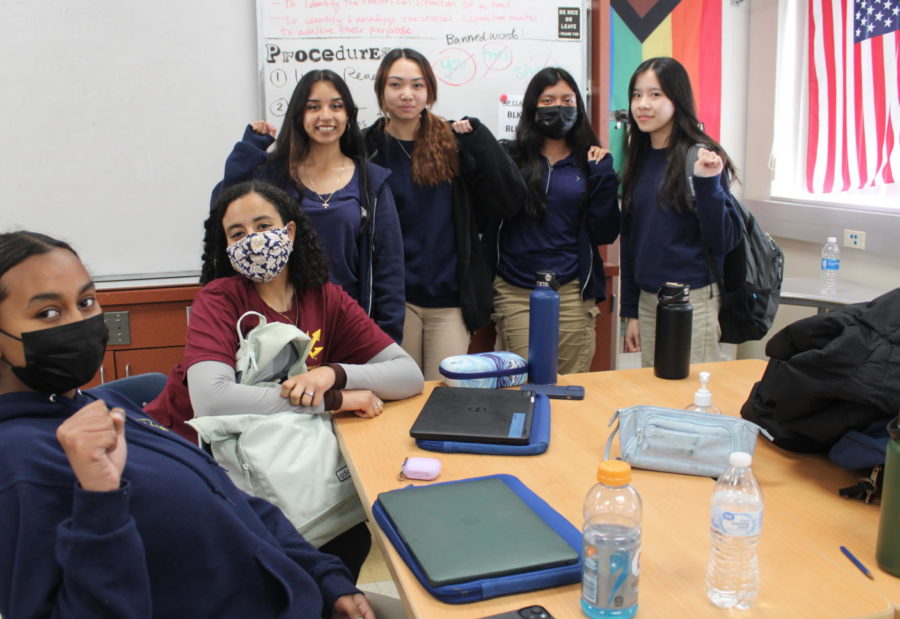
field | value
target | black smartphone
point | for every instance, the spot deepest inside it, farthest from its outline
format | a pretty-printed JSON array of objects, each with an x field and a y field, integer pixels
[
  {"x": 557, "y": 392},
  {"x": 529, "y": 612}
]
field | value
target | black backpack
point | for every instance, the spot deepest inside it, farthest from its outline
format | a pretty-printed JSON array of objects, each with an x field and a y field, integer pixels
[{"x": 750, "y": 285}]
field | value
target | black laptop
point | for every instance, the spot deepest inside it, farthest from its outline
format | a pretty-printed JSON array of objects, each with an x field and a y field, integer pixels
[
  {"x": 475, "y": 416},
  {"x": 475, "y": 529}
]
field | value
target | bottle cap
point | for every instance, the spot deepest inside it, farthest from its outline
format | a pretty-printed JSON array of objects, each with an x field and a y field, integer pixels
[
  {"x": 703, "y": 396},
  {"x": 674, "y": 292},
  {"x": 547, "y": 279},
  {"x": 614, "y": 473},
  {"x": 893, "y": 428},
  {"x": 740, "y": 459},
  {"x": 832, "y": 239}
]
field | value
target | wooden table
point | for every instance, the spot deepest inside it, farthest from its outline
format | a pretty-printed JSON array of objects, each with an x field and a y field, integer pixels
[{"x": 803, "y": 573}]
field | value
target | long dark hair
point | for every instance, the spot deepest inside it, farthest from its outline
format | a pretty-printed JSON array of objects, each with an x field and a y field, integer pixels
[
  {"x": 526, "y": 151},
  {"x": 16, "y": 247},
  {"x": 434, "y": 159},
  {"x": 307, "y": 267},
  {"x": 292, "y": 144},
  {"x": 686, "y": 131}
]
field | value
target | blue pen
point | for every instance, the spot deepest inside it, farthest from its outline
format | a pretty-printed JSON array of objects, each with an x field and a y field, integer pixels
[{"x": 857, "y": 562}]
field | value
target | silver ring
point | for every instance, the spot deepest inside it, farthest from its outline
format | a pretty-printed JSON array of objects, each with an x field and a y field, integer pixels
[
  {"x": 309, "y": 393},
  {"x": 379, "y": 404}
]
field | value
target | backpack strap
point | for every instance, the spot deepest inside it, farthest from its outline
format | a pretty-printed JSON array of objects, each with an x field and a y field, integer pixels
[
  {"x": 243, "y": 340},
  {"x": 607, "y": 450},
  {"x": 689, "y": 160}
]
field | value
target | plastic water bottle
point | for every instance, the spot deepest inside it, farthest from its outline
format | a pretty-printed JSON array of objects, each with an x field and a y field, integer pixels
[
  {"x": 732, "y": 574},
  {"x": 831, "y": 264},
  {"x": 674, "y": 316},
  {"x": 612, "y": 544},
  {"x": 543, "y": 330}
]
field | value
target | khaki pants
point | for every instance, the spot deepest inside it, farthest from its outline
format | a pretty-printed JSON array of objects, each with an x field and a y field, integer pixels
[
  {"x": 705, "y": 331},
  {"x": 432, "y": 333},
  {"x": 577, "y": 339}
]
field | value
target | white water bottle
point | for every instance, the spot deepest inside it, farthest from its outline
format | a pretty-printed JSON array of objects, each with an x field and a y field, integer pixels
[
  {"x": 612, "y": 544},
  {"x": 732, "y": 574},
  {"x": 831, "y": 264}
]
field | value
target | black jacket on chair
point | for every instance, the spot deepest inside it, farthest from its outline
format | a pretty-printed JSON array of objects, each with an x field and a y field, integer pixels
[{"x": 830, "y": 373}]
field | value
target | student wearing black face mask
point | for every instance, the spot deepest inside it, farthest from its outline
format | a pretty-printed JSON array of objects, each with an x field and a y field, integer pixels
[
  {"x": 104, "y": 513},
  {"x": 571, "y": 208}
]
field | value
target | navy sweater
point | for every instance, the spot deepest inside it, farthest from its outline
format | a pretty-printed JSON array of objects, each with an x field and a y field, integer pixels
[
  {"x": 582, "y": 212},
  {"x": 426, "y": 221},
  {"x": 661, "y": 245},
  {"x": 178, "y": 539}
]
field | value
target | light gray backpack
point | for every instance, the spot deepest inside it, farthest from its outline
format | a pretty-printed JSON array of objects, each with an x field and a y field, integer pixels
[{"x": 290, "y": 459}]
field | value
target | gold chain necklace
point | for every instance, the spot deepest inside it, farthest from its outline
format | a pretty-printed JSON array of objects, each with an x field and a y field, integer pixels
[{"x": 315, "y": 189}]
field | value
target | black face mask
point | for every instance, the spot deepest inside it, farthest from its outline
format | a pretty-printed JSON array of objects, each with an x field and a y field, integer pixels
[
  {"x": 62, "y": 358},
  {"x": 555, "y": 121}
]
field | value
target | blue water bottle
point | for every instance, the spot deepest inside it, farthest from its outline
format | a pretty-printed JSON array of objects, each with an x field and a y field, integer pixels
[{"x": 543, "y": 330}]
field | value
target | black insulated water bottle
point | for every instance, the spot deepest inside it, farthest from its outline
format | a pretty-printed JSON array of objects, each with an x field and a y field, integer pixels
[{"x": 674, "y": 313}]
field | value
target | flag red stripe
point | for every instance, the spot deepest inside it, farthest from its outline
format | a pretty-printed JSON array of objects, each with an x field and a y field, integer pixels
[
  {"x": 859, "y": 150},
  {"x": 830, "y": 76},
  {"x": 812, "y": 131}
]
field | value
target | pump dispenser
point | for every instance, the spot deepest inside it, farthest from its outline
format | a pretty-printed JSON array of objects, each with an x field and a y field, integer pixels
[{"x": 703, "y": 398}]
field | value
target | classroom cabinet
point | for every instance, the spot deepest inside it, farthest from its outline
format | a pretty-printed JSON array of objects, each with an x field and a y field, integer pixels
[{"x": 157, "y": 324}]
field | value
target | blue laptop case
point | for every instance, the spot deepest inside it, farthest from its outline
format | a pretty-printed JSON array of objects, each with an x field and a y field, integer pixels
[
  {"x": 537, "y": 443},
  {"x": 491, "y": 587}
]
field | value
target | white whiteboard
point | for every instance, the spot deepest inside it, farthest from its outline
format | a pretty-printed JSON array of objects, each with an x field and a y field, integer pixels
[
  {"x": 117, "y": 118},
  {"x": 483, "y": 52}
]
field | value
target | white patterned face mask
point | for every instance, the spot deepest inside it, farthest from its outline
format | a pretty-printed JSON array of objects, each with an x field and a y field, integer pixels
[{"x": 261, "y": 256}]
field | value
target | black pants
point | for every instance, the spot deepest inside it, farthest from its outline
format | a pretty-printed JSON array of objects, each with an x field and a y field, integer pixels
[{"x": 352, "y": 547}]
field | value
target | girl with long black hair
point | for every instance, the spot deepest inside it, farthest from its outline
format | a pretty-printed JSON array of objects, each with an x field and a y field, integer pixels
[
  {"x": 319, "y": 160},
  {"x": 667, "y": 237},
  {"x": 572, "y": 207}
]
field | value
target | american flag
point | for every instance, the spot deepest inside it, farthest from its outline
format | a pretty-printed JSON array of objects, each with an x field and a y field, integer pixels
[{"x": 854, "y": 108}]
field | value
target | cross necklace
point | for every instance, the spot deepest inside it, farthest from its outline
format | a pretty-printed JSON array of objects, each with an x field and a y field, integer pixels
[{"x": 327, "y": 199}]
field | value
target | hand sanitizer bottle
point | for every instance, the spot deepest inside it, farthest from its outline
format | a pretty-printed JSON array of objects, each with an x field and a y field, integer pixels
[{"x": 703, "y": 398}]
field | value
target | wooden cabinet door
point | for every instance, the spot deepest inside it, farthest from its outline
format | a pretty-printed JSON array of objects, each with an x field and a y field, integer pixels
[{"x": 141, "y": 361}]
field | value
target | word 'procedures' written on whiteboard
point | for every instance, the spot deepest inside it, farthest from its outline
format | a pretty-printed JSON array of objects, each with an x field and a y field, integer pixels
[{"x": 483, "y": 52}]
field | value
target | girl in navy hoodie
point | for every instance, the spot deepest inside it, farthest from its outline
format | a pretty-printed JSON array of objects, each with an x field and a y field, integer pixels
[
  {"x": 105, "y": 513},
  {"x": 318, "y": 160},
  {"x": 666, "y": 235},
  {"x": 572, "y": 208}
]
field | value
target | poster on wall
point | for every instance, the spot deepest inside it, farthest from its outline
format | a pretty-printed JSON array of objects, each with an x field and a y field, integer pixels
[{"x": 483, "y": 53}]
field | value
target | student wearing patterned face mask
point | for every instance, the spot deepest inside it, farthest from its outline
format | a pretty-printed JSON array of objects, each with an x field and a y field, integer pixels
[
  {"x": 261, "y": 255},
  {"x": 103, "y": 513},
  {"x": 571, "y": 209}
]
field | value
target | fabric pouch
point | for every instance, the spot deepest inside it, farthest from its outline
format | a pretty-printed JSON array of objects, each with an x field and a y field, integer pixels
[
  {"x": 484, "y": 370},
  {"x": 680, "y": 441}
]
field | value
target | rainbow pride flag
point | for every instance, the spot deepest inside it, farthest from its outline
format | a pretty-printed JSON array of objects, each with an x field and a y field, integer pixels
[{"x": 687, "y": 30}]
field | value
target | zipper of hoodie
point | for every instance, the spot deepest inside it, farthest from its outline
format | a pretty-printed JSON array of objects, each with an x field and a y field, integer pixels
[{"x": 372, "y": 255}]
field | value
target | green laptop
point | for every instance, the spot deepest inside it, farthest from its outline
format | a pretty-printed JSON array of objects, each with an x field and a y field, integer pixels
[{"x": 474, "y": 529}]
